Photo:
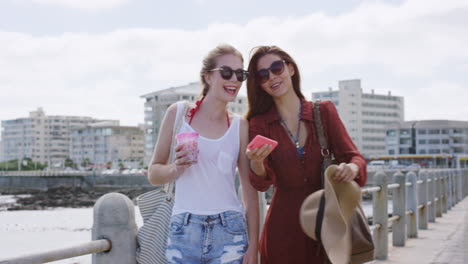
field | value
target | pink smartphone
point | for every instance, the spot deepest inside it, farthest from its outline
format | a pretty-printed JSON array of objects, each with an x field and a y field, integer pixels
[{"x": 259, "y": 141}]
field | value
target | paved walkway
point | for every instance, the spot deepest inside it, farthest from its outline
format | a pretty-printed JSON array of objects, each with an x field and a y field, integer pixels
[{"x": 445, "y": 242}]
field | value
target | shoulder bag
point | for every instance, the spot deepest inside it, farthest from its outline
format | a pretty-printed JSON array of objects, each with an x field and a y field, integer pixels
[
  {"x": 362, "y": 244},
  {"x": 156, "y": 210}
]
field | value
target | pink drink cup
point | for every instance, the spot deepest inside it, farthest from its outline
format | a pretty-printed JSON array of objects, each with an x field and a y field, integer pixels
[{"x": 189, "y": 141}]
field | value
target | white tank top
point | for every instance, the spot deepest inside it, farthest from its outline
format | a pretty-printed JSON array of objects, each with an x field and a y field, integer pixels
[{"x": 208, "y": 186}]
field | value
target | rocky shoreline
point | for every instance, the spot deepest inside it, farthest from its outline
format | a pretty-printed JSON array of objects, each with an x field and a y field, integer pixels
[{"x": 66, "y": 196}]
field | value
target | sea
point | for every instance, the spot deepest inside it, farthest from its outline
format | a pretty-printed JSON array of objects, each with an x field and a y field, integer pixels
[{"x": 25, "y": 232}]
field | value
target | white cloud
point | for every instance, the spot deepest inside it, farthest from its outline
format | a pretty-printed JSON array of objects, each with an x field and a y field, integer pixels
[
  {"x": 103, "y": 75},
  {"x": 440, "y": 100},
  {"x": 89, "y": 5}
]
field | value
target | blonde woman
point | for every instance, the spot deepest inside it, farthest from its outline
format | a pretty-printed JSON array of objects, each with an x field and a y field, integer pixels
[{"x": 209, "y": 224}]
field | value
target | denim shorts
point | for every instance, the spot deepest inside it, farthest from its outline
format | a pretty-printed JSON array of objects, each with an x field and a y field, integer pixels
[{"x": 207, "y": 239}]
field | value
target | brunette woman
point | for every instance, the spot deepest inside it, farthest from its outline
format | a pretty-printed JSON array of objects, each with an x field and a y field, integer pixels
[{"x": 278, "y": 110}]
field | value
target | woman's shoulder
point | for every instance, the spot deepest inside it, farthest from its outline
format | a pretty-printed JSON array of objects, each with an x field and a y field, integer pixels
[
  {"x": 327, "y": 106},
  {"x": 257, "y": 121}
]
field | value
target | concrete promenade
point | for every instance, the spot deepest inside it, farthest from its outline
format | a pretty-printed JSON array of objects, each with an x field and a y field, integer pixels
[{"x": 445, "y": 241}]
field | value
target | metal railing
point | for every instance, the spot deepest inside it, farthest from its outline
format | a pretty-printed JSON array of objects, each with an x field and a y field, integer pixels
[
  {"x": 417, "y": 199},
  {"x": 113, "y": 236}
]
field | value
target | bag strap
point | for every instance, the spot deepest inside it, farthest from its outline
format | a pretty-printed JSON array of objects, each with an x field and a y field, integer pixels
[
  {"x": 177, "y": 124},
  {"x": 326, "y": 155}
]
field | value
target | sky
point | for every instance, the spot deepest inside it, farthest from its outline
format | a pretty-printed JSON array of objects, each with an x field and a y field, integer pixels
[{"x": 97, "y": 57}]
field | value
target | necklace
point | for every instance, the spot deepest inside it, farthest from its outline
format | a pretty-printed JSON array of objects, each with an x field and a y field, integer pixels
[{"x": 295, "y": 139}]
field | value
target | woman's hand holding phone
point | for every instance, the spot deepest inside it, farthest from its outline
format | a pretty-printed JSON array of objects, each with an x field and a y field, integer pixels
[{"x": 259, "y": 148}]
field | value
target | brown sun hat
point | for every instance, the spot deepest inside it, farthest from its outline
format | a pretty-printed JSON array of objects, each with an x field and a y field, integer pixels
[{"x": 325, "y": 216}]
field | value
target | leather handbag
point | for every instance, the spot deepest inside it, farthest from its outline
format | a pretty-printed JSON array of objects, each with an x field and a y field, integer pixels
[
  {"x": 156, "y": 210},
  {"x": 362, "y": 244}
]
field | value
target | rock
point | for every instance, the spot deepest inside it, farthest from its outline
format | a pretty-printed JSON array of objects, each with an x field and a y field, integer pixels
[{"x": 70, "y": 196}]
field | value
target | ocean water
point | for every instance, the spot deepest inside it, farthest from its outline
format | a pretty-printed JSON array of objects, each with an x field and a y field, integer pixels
[
  {"x": 26, "y": 232},
  {"x": 33, "y": 231}
]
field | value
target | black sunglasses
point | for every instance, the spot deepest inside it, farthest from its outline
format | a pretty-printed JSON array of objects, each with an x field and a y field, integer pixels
[
  {"x": 227, "y": 72},
  {"x": 277, "y": 68}
]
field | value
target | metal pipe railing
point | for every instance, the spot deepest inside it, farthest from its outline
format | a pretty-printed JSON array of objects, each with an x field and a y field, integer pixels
[
  {"x": 425, "y": 195},
  {"x": 416, "y": 197},
  {"x": 87, "y": 248},
  {"x": 113, "y": 237}
]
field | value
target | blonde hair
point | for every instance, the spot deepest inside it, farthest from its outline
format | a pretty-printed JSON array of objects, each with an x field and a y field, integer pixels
[{"x": 209, "y": 62}]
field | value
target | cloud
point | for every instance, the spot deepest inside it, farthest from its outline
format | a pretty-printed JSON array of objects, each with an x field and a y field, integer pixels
[
  {"x": 88, "y": 5},
  {"x": 103, "y": 75}
]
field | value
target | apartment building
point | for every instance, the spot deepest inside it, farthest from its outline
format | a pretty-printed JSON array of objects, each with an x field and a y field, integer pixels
[
  {"x": 106, "y": 142},
  {"x": 156, "y": 104},
  {"x": 42, "y": 138},
  {"x": 2, "y": 158},
  {"x": 427, "y": 137},
  {"x": 365, "y": 115}
]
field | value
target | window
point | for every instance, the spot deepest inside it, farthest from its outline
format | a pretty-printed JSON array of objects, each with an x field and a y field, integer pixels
[
  {"x": 434, "y": 141},
  {"x": 444, "y": 131},
  {"x": 391, "y": 152},
  {"x": 404, "y": 132},
  {"x": 405, "y": 141},
  {"x": 434, "y": 151},
  {"x": 434, "y": 131},
  {"x": 404, "y": 151},
  {"x": 445, "y": 141},
  {"x": 422, "y": 141},
  {"x": 422, "y": 151},
  {"x": 391, "y": 133}
]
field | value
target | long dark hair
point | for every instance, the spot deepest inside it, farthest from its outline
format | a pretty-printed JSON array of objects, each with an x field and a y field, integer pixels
[{"x": 259, "y": 100}]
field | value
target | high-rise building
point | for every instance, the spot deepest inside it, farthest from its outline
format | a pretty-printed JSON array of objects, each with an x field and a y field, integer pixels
[
  {"x": 105, "y": 142},
  {"x": 364, "y": 115},
  {"x": 42, "y": 138},
  {"x": 427, "y": 137},
  {"x": 1, "y": 152},
  {"x": 156, "y": 104}
]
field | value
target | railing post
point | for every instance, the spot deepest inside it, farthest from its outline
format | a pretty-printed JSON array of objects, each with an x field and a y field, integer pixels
[
  {"x": 438, "y": 193},
  {"x": 454, "y": 186},
  {"x": 380, "y": 216},
  {"x": 431, "y": 193},
  {"x": 262, "y": 208},
  {"x": 445, "y": 190},
  {"x": 412, "y": 205},
  {"x": 463, "y": 174},
  {"x": 450, "y": 196},
  {"x": 423, "y": 198},
  {"x": 114, "y": 220},
  {"x": 465, "y": 182},
  {"x": 459, "y": 174},
  {"x": 399, "y": 208}
]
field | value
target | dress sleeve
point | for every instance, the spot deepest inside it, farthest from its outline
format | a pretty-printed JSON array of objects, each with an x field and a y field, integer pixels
[
  {"x": 340, "y": 143},
  {"x": 261, "y": 183}
]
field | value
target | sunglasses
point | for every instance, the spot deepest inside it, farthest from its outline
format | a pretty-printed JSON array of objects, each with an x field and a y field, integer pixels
[
  {"x": 277, "y": 68},
  {"x": 227, "y": 72}
]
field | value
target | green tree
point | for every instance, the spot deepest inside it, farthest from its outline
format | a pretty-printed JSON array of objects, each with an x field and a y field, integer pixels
[
  {"x": 69, "y": 163},
  {"x": 85, "y": 163}
]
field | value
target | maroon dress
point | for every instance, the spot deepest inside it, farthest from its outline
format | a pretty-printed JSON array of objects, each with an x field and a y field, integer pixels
[{"x": 283, "y": 240}]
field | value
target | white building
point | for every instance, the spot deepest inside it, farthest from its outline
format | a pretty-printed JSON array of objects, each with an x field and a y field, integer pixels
[
  {"x": 1, "y": 152},
  {"x": 365, "y": 115},
  {"x": 106, "y": 142},
  {"x": 42, "y": 138},
  {"x": 156, "y": 104},
  {"x": 427, "y": 137}
]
